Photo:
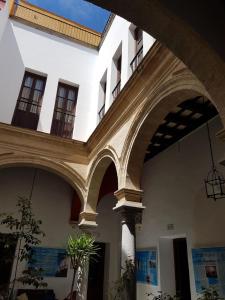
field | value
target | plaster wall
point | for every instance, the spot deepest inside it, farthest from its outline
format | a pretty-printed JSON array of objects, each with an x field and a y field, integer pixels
[
  {"x": 119, "y": 40},
  {"x": 51, "y": 200},
  {"x": 56, "y": 58},
  {"x": 174, "y": 193},
  {"x": 109, "y": 232},
  {"x": 4, "y": 13}
]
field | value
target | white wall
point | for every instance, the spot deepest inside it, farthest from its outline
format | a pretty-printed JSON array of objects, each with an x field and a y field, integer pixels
[
  {"x": 109, "y": 232},
  {"x": 174, "y": 193},
  {"x": 51, "y": 203},
  {"x": 4, "y": 13},
  {"x": 118, "y": 35},
  {"x": 59, "y": 59}
]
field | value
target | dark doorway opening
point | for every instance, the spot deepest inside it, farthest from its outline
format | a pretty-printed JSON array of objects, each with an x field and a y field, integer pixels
[
  {"x": 96, "y": 275},
  {"x": 181, "y": 269},
  {"x": 6, "y": 259}
]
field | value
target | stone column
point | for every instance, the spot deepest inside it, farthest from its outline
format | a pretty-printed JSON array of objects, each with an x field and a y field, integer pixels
[{"x": 129, "y": 207}]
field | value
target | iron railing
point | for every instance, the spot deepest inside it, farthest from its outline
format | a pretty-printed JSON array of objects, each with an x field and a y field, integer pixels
[
  {"x": 136, "y": 60},
  {"x": 116, "y": 90},
  {"x": 101, "y": 112},
  {"x": 47, "y": 21}
]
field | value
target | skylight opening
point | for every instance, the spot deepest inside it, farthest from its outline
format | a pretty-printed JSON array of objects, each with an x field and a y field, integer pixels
[{"x": 79, "y": 11}]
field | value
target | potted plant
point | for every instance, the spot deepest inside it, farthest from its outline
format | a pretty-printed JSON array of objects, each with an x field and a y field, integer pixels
[{"x": 80, "y": 249}]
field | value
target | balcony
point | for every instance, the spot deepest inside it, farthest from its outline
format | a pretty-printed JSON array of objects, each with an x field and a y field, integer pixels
[
  {"x": 136, "y": 60},
  {"x": 116, "y": 90},
  {"x": 45, "y": 20}
]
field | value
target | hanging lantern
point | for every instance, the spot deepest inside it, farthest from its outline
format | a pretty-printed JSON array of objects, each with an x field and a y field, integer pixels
[
  {"x": 215, "y": 182},
  {"x": 215, "y": 185}
]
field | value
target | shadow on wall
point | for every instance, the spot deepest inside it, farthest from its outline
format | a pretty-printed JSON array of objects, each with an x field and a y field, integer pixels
[{"x": 11, "y": 73}]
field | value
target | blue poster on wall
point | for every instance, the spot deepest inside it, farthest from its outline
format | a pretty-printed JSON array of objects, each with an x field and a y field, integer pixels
[
  {"x": 146, "y": 263},
  {"x": 209, "y": 269},
  {"x": 53, "y": 262}
]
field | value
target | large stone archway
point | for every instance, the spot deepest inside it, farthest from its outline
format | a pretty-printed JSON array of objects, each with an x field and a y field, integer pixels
[
  {"x": 68, "y": 174},
  {"x": 147, "y": 121}
]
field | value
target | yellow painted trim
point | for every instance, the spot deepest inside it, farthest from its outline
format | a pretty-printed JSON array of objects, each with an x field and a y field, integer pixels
[{"x": 48, "y": 21}]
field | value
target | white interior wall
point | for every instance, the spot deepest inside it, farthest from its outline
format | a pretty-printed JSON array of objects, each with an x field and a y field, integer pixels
[
  {"x": 50, "y": 191},
  {"x": 174, "y": 193}
]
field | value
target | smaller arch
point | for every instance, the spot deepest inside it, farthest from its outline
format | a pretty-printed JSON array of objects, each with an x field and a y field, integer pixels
[
  {"x": 8, "y": 160},
  {"x": 97, "y": 171}
]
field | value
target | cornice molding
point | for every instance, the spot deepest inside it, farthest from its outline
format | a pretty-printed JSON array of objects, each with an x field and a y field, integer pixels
[{"x": 43, "y": 144}]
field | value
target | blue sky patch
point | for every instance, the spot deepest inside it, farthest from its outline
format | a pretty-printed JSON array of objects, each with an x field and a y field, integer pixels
[{"x": 80, "y": 11}]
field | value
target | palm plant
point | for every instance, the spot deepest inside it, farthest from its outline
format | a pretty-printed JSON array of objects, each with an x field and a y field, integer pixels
[{"x": 80, "y": 249}]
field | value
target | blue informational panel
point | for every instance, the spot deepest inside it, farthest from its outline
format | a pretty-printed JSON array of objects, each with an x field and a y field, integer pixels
[
  {"x": 53, "y": 262},
  {"x": 209, "y": 269},
  {"x": 146, "y": 262}
]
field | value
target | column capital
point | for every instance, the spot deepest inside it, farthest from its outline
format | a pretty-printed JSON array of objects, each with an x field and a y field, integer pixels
[
  {"x": 129, "y": 197},
  {"x": 87, "y": 220}
]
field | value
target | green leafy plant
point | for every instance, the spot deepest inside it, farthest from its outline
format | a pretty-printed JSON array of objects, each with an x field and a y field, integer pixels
[
  {"x": 80, "y": 249},
  {"x": 163, "y": 296},
  {"x": 209, "y": 294},
  {"x": 25, "y": 231},
  {"x": 123, "y": 287}
]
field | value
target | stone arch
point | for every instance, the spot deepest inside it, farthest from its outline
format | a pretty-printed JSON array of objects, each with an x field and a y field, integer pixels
[
  {"x": 147, "y": 121},
  {"x": 96, "y": 174},
  {"x": 8, "y": 160}
]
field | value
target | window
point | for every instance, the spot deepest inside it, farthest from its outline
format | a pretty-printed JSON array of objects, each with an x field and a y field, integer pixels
[
  {"x": 64, "y": 112},
  {"x": 29, "y": 102},
  {"x": 138, "y": 37},
  {"x": 118, "y": 64},
  {"x": 102, "y": 97}
]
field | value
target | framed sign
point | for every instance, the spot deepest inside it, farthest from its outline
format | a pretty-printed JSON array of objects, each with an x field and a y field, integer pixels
[
  {"x": 147, "y": 267},
  {"x": 52, "y": 261},
  {"x": 209, "y": 269}
]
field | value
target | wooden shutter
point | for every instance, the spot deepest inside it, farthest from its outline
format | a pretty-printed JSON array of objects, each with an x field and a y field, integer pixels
[
  {"x": 29, "y": 102},
  {"x": 64, "y": 112}
]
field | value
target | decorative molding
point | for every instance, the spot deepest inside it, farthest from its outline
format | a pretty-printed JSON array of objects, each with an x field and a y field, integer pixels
[
  {"x": 87, "y": 220},
  {"x": 42, "y": 144},
  {"x": 129, "y": 196},
  {"x": 52, "y": 23}
]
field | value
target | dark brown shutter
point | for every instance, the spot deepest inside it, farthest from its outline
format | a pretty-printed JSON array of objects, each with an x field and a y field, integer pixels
[
  {"x": 29, "y": 102},
  {"x": 64, "y": 112}
]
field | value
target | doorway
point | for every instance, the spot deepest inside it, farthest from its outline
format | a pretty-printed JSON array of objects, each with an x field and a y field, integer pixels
[
  {"x": 96, "y": 275},
  {"x": 174, "y": 268},
  {"x": 182, "y": 278},
  {"x": 6, "y": 260}
]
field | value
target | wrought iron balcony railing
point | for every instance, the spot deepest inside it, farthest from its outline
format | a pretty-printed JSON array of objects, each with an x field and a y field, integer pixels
[
  {"x": 136, "y": 60},
  {"x": 31, "y": 14},
  {"x": 116, "y": 90},
  {"x": 101, "y": 112}
]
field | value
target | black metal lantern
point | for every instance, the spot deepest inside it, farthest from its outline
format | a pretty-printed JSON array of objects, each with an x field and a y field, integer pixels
[
  {"x": 215, "y": 182},
  {"x": 215, "y": 185}
]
